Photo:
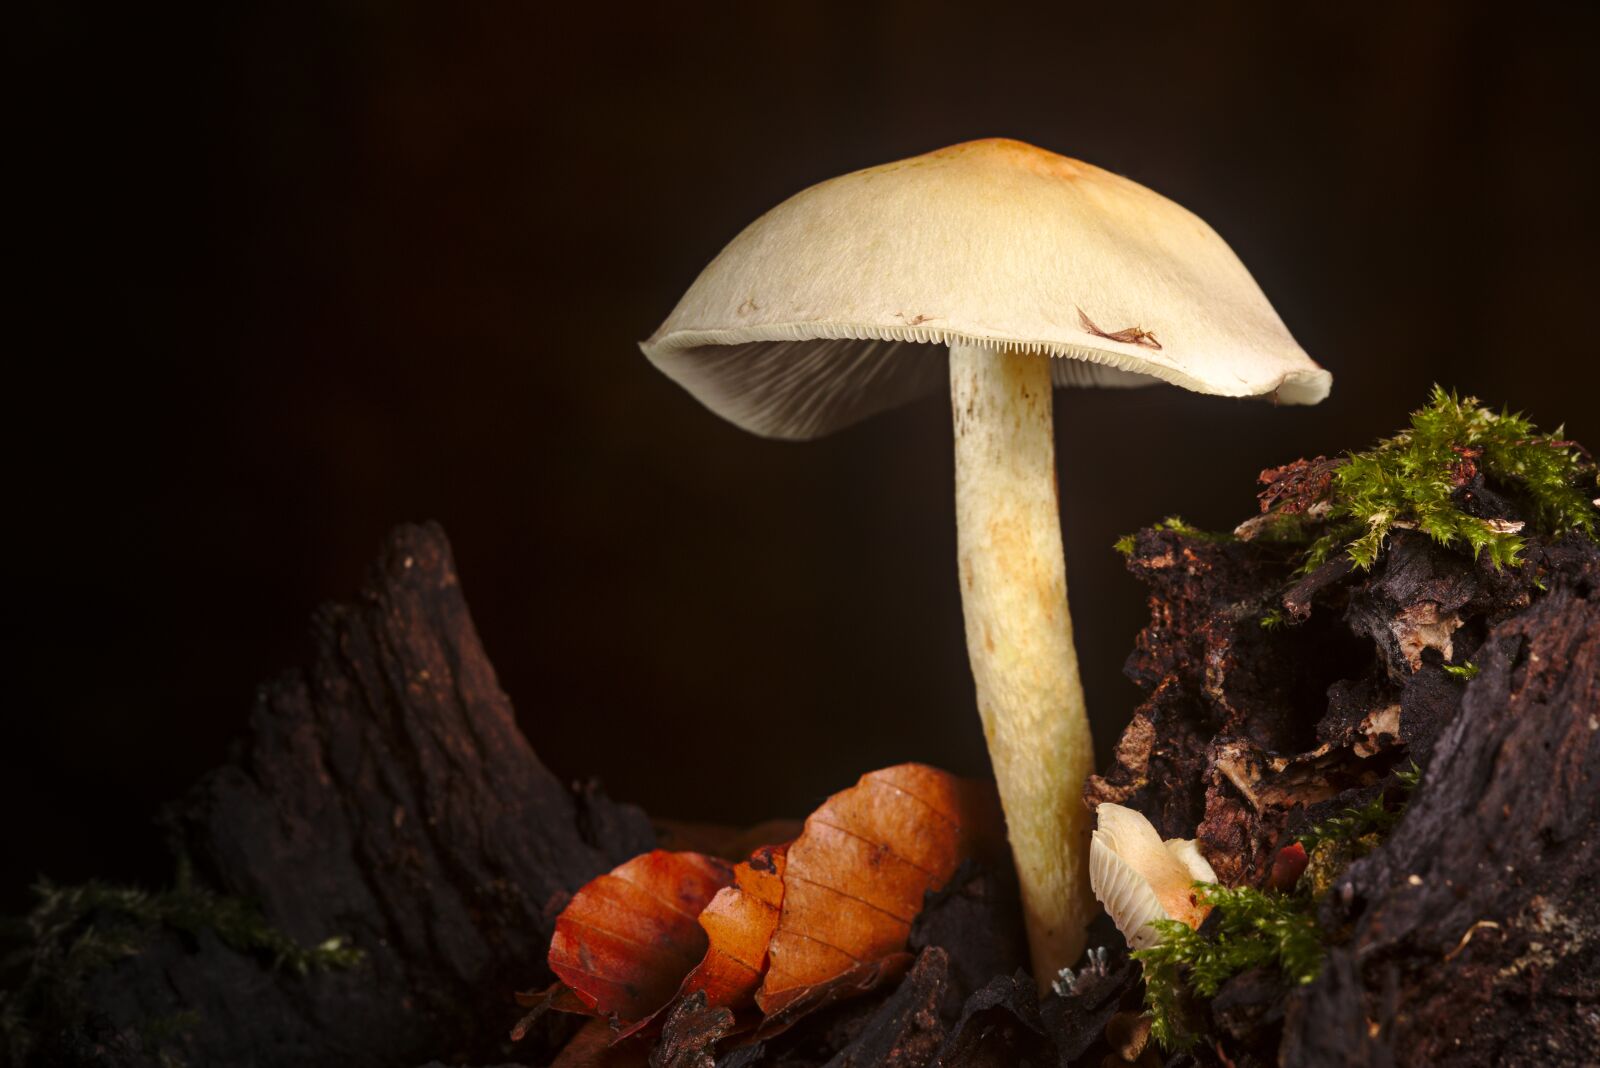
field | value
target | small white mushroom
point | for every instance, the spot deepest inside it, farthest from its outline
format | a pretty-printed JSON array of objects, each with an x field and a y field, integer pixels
[{"x": 1140, "y": 879}]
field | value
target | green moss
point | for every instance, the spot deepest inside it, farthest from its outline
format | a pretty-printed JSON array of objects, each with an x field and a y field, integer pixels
[
  {"x": 1466, "y": 672},
  {"x": 1358, "y": 821},
  {"x": 1409, "y": 480},
  {"x": 1328, "y": 859},
  {"x": 74, "y": 932},
  {"x": 1178, "y": 525},
  {"x": 1274, "y": 619},
  {"x": 1253, "y": 928},
  {"x": 1410, "y": 776},
  {"x": 1286, "y": 528},
  {"x": 1375, "y": 817}
]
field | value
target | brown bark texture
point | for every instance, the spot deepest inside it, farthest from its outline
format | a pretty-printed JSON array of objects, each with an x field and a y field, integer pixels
[
  {"x": 385, "y": 795},
  {"x": 1471, "y": 933}
]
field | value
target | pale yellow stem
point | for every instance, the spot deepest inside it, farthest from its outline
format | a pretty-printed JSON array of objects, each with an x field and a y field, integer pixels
[{"x": 1019, "y": 637}]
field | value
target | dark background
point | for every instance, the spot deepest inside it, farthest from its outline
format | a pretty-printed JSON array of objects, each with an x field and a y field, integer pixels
[{"x": 294, "y": 275}]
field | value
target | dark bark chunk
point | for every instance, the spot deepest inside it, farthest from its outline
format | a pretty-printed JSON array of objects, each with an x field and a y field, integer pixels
[
  {"x": 385, "y": 795},
  {"x": 1471, "y": 935},
  {"x": 999, "y": 1028},
  {"x": 976, "y": 920},
  {"x": 1482, "y": 909}
]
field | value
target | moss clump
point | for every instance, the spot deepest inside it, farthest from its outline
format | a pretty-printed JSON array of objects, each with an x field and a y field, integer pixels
[
  {"x": 1356, "y": 822},
  {"x": 74, "y": 932},
  {"x": 1178, "y": 525},
  {"x": 1373, "y": 818},
  {"x": 1274, "y": 619},
  {"x": 1412, "y": 479},
  {"x": 1252, "y": 928},
  {"x": 1465, "y": 672}
]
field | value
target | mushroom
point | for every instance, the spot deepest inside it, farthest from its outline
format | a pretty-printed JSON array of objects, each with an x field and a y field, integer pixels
[
  {"x": 1140, "y": 879},
  {"x": 1035, "y": 270}
]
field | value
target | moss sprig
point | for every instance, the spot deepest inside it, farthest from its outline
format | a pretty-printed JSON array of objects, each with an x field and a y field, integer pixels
[
  {"x": 77, "y": 931},
  {"x": 1253, "y": 928},
  {"x": 101, "y": 922},
  {"x": 1355, "y": 822},
  {"x": 1178, "y": 525},
  {"x": 1374, "y": 817},
  {"x": 1411, "y": 479},
  {"x": 1274, "y": 619}
]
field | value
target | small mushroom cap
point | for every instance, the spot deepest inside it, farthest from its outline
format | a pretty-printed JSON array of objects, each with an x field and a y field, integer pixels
[
  {"x": 825, "y": 310},
  {"x": 1139, "y": 878}
]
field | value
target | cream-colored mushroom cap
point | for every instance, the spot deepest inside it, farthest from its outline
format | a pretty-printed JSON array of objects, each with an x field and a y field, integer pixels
[
  {"x": 823, "y": 310},
  {"x": 1140, "y": 879}
]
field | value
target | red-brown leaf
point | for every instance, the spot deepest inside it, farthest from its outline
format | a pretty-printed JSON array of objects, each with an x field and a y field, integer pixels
[
  {"x": 628, "y": 938},
  {"x": 739, "y": 923},
  {"x": 557, "y": 997},
  {"x": 857, "y": 980}
]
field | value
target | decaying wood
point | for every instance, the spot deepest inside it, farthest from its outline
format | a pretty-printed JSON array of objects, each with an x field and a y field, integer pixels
[
  {"x": 385, "y": 795},
  {"x": 1471, "y": 935},
  {"x": 1475, "y": 929}
]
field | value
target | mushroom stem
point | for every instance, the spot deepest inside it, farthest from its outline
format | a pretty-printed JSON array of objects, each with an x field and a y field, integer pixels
[{"x": 1019, "y": 637}]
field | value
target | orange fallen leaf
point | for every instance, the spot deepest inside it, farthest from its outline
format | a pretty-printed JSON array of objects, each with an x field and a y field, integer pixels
[
  {"x": 739, "y": 923},
  {"x": 665, "y": 936},
  {"x": 628, "y": 938},
  {"x": 854, "y": 880},
  {"x": 858, "y": 979}
]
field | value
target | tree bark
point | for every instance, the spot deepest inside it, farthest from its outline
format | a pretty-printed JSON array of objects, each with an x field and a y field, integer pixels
[
  {"x": 1471, "y": 934},
  {"x": 385, "y": 795}
]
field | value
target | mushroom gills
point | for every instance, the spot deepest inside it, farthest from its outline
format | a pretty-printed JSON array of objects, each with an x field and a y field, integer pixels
[{"x": 1140, "y": 879}]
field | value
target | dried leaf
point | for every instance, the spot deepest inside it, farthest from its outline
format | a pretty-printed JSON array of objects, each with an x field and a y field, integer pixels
[
  {"x": 628, "y": 938},
  {"x": 739, "y": 923},
  {"x": 868, "y": 857},
  {"x": 718, "y": 840},
  {"x": 863, "y": 978},
  {"x": 855, "y": 878},
  {"x": 557, "y": 997},
  {"x": 592, "y": 1047}
]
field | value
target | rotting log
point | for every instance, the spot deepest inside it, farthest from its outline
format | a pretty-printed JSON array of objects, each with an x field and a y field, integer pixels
[
  {"x": 1475, "y": 928},
  {"x": 1471, "y": 933},
  {"x": 386, "y": 795}
]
